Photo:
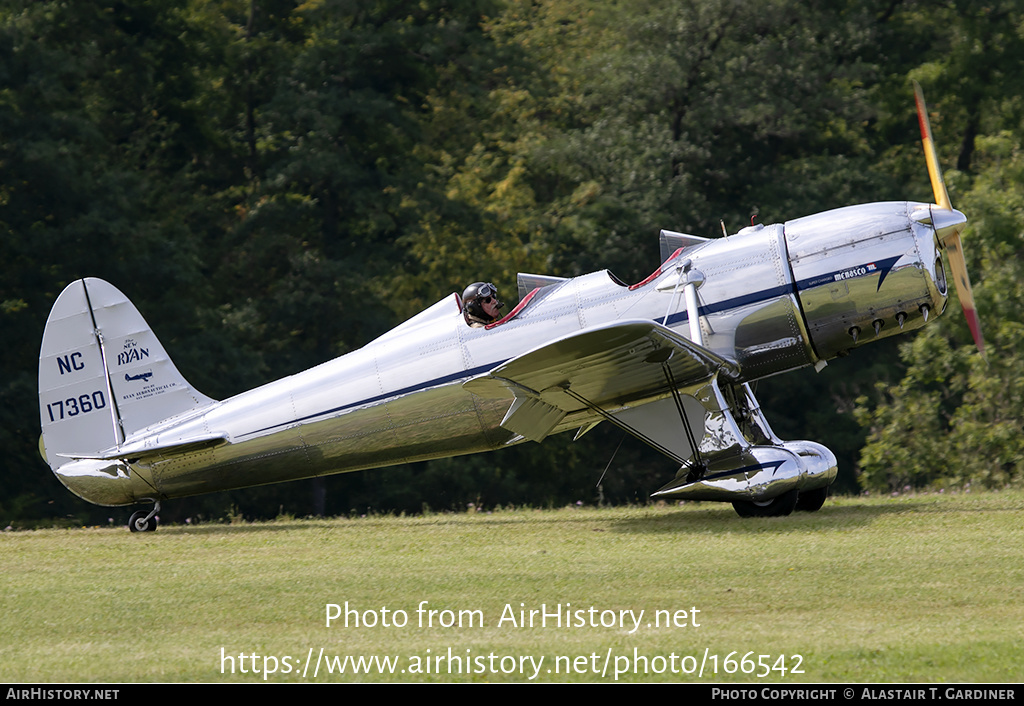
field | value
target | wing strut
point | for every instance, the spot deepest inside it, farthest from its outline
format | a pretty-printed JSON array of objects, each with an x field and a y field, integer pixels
[
  {"x": 698, "y": 463},
  {"x": 622, "y": 425},
  {"x": 690, "y": 279}
]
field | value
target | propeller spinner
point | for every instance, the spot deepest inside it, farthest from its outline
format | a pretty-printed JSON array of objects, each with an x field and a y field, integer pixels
[{"x": 948, "y": 223}]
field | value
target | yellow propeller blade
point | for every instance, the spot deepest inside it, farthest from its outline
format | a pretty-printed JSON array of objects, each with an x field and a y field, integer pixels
[
  {"x": 930, "y": 156},
  {"x": 954, "y": 247}
]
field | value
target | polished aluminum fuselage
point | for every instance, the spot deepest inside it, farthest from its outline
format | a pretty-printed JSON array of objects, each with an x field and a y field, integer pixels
[{"x": 774, "y": 298}]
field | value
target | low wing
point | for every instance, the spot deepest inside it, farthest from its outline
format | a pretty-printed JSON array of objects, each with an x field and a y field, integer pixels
[{"x": 595, "y": 373}]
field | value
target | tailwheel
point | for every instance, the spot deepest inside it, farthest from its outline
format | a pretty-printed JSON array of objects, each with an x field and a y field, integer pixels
[
  {"x": 778, "y": 506},
  {"x": 812, "y": 500},
  {"x": 143, "y": 521}
]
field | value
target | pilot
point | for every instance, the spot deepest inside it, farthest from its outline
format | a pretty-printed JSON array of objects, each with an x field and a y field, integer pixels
[{"x": 480, "y": 304}]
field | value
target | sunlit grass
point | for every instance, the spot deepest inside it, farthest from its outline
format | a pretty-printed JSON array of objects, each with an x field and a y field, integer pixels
[{"x": 913, "y": 588}]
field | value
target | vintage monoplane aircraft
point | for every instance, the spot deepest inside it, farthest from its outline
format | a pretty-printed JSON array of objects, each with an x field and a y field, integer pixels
[{"x": 667, "y": 359}]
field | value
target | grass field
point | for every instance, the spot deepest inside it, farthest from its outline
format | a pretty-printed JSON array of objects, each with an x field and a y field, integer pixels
[{"x": 911, "y": 588}]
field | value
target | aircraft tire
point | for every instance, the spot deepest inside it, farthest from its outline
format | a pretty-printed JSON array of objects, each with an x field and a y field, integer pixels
[
  {"x": 137, "y": 522},
  {"x": 812, "y": 500},
  {"x": 779, "y": 506}
]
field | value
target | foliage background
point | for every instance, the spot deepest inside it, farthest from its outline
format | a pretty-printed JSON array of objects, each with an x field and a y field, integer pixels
[{"x": 275, "y": 183}]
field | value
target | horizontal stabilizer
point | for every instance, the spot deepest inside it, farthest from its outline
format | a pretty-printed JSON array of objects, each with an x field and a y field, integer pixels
[{"x": 153, "y": 447}]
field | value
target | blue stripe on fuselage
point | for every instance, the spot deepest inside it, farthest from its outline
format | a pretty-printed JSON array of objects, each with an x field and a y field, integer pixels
[
  {"x": 726, "y": 304},
  {"x": 883, "y": 268},
  {"x": 387, "y": 395}
]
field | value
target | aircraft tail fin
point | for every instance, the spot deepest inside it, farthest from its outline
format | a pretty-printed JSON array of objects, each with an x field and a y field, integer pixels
[{"x": 103, "y": 375}]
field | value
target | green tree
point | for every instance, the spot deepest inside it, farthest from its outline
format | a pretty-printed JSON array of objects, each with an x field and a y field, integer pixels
[{"x": 101, "y": 150}]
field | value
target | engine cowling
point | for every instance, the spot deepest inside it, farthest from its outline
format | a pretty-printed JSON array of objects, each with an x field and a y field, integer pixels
[{"x": 863, "y": 273}]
